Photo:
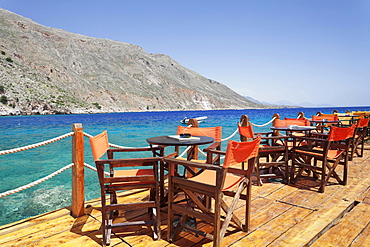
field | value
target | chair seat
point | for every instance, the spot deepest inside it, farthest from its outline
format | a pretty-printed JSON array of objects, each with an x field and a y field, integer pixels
[
  {"x": 133, "y": 172},
  {"x": 209, "y": 177},
  {"x": 332, "y": 154}
]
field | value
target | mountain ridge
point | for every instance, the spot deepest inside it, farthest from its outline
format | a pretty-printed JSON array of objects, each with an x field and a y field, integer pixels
[{"x": 51, "y": 71}]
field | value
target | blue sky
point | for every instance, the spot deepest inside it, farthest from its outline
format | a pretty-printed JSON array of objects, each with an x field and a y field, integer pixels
[{"x": 316, "y": 51}]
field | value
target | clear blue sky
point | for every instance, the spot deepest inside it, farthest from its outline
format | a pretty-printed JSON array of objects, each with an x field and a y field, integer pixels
[{"x": 295, "y": 50}]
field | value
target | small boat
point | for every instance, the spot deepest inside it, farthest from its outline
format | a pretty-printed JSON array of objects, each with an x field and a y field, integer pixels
[{"x": 199, "y": 119}]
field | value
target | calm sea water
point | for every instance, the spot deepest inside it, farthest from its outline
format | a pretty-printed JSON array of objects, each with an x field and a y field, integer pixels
[{"x": 126, "y": 129}]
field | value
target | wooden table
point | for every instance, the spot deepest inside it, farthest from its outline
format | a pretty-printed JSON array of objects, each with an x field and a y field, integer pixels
[
  {"x": 294, "y": 128},
  {"x": 320, "y": 124},
  {"x": 187, "y": 142}
]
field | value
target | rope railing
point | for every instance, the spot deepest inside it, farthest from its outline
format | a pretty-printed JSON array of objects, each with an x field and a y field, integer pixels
[
  {"x": 39, "y": 144},
  {"x": 263, "y": 125},
  {"x": 94, "y": 169},
  {"x": 183, "y": 153},
  {"x": 231, "y": 136},
  {"x": 256, "y": 125},
  {"x": 27, "y": 186}
]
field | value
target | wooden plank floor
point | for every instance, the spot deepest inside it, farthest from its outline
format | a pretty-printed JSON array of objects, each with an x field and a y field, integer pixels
[{"x": 282, "y": 215}]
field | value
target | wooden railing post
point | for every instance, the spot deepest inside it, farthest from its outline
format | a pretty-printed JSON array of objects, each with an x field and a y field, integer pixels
[
  {"x": 78, "y": 186},
  {"x": 244, "y": 121},
  {"x": 193, "y": 123}
]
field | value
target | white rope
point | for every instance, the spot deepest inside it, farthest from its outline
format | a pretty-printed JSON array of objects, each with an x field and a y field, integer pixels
[
  {"x": 263, "y": 125},
  {"x": 183, "y": 153},
  {"x": 27, "y": 186},
  {"x": 231, "y": 136},
  {"x": 200, "y": 151},
  {"x": 94, "y": 169},
  {"x": 236, "y": 131},
  {"x": 14, "y": 150}
]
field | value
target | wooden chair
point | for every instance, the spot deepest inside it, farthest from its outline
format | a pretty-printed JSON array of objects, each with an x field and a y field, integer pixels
[
  {"x": 322, "y": 156},
  {"x": 293, "y": 121},
  {"x": 214, "y": 132},
  {"x": 215, "y": 182},
  {"x": 273, "y": 155},
  {"x": 357, "y": 146},
  {"x": 127, "y": 179},
  {"x": 324, "y": 127}
]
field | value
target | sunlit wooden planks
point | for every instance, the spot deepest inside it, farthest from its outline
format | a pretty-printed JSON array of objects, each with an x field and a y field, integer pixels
[
  {"x": 282, "y": 215},
  {"x": 347, "y": 229}
]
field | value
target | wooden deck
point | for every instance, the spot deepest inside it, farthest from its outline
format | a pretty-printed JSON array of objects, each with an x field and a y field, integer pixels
[{"x": 282, "y": 215}]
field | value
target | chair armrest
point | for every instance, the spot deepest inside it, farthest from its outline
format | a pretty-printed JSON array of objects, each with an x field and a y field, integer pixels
[
  {"x": 192, "y": 164},
  {"x": 309, "y": 138},
  {"x": 135, "y": 149},
  {"x": 213, "y": 147},
  {"x": 239, "y": 171},
  {"x": 310, "y": 141},
  {"x": 171, "y": 155},
  {"x": 275, "y": 137},
  {"x": 320, "y": 135},
  {"x": 128, "y": 162},
  {"x": 214, "y": 151}
]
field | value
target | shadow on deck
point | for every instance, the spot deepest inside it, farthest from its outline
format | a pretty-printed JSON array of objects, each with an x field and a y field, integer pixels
[{"x": 282, "y": 215}]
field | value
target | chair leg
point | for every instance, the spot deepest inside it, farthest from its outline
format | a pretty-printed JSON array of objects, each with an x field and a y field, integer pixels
[
  {"x": 103, "y": 229},
  {"x": 257, "y": 172},
  {"x": 248, "y": 206},
  {"x": 217, "y": 238},
  {"x": 178, "y": 228},
  {"x": 170, "y": 217},
  {"x": 157, "y": 219},
  {"x": 230, "y": 210},
  {"x": 323, "y": 177},
  {"x": 106, "y": 228}
]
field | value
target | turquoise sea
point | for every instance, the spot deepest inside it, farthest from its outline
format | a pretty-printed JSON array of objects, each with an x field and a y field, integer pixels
[{"x": 126, "y": 129}]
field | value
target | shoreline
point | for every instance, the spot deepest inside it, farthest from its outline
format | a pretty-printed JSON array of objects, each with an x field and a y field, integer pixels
[{"x": 12, "y": 112}]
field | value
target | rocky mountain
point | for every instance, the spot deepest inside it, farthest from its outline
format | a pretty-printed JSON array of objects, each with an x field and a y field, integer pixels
[{"x": 45, "y": 70}]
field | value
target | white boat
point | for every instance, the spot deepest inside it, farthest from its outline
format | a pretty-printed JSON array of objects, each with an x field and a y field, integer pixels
[{"x": 199, "y": 119}]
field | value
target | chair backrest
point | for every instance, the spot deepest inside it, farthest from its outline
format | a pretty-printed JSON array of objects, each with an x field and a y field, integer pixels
[
  {"x": 362, "y": 122},
  {"x": 329, "y": 117},
  {"x": 99, "y": 145},
  {"x": 214, "y": 132},
  {"x": 341, "y": 133},
  {"x": 287, "y": 122},
  {"x": 246, "y": 131},
  {"x": 238, "y": 152},
  {"x": 298, "y": 121},
  {"x": 361, "y": 114}
]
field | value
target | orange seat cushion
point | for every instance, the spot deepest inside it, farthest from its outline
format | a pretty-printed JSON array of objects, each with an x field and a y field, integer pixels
[
  {"x": 133, "y": 172},
  {"x": 209, "y": 177}
]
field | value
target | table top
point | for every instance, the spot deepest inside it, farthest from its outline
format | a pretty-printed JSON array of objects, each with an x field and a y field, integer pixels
[
  {"x": 168, "y": 141},
  {"x": 295, "y": 128}
]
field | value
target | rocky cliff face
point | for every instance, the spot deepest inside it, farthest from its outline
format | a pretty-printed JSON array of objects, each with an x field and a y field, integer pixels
[{"x": 49, "y": 71}]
